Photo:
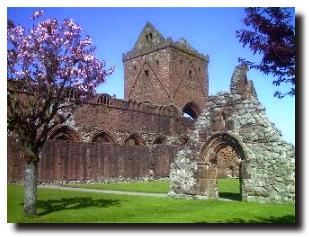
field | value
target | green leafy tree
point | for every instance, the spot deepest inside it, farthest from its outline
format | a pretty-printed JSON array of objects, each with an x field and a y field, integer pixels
[{"x": 271, "y": 33}]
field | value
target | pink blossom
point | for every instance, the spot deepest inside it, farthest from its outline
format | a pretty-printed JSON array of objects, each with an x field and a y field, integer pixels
[
  {"x": 55, "y": 51},
  {"x": 37, "y": 14}
]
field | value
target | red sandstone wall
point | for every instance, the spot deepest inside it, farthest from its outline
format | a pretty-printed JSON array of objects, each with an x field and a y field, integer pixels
[
  {"x": 123, "y": 119},
  {"x": 188, "y": 78},
  {"x": 15, "y": 168},
  {"x": 97, "y": 117},
  {"x": 65, "y": 161},
  {"x": 168, "y": 80},
  {"x": 162, "y": 157},
  {"x": 228, "y": 163},
  {"x": 152, "y": 87}
]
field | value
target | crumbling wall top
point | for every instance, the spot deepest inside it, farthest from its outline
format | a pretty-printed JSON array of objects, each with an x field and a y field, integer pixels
[
  {"x": 240, "y": 84},
  {"x": 150, "y": 40}
]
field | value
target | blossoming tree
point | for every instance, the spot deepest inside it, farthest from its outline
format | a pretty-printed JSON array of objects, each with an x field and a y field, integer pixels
[{"x": 52, "y": 69}]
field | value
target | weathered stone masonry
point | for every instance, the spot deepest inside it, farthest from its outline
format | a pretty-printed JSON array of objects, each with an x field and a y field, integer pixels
[
  {"x": 162, "y": 71},
  {"x": 146, "y": 136},
  {"x": 238, "y": 120},
  {"x": 144, "y": 119},
  {"x": 120, "y": 140}
]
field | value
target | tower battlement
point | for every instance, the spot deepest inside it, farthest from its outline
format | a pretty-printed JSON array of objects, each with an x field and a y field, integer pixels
[
  {"x": 162, "y": 71},
  {"x": 151, "y": 40}
]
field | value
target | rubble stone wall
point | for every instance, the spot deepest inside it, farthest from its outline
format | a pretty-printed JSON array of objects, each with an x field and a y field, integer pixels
[
  {"x": 229, "y": 133},
  {"x": 267, "y": 167}
]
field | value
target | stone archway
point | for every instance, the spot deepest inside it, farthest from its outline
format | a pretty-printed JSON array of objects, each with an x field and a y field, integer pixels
[
  {"x": 134, "y": 140},
  {"x": 191, "y": 110},
  {"x": 103, "y": 137},
  {"x": 236, "y": 119},
  {"x": 207, "y": 178},
  {"x": 65, "y": 133}
]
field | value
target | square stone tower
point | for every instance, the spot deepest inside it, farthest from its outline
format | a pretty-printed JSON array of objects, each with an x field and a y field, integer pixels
[{"x": 166, "y": 72}]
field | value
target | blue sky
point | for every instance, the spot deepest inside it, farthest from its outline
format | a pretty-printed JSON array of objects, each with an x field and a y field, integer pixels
[{"x": 209, "y": 30}]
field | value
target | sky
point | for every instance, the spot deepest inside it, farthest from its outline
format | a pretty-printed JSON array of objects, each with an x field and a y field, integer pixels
[{"x": 209, "y": 30}]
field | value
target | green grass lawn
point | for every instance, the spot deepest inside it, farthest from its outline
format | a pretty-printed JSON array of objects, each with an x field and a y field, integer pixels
[
  {"x": 156, "y": 186},
  {"x": 226, "y": 186},
  {"x": 58, "y": 206}
]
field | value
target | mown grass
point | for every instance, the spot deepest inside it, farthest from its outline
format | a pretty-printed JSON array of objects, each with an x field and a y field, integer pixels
[
  {"x": 228, "y": 188},
  {"x": 58, "y": 206},
  {"x": 155, "y": 186}
]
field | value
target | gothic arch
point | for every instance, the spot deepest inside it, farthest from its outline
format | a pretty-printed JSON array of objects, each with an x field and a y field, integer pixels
[
  {"x": 103, "y": 137},
  {"x": 65, "y": 133},
  {"x": 192, "y": 109},
  {"x": 207, "y": 163},
  {"x": 218, "y": 141},
  {"x": 134, "y": 140}
]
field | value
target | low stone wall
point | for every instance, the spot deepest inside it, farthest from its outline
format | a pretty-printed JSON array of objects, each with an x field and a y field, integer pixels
[{"x": 64, "y": 162}]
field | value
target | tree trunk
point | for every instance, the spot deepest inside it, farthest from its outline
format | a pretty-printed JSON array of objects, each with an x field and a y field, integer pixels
[{"x": 30, "y": 187}]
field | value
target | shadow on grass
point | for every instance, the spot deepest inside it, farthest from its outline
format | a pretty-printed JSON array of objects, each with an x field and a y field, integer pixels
[
  {"x": 232, "y": 196},
  {"x": 287, "y": 219},
  {"x": 50, "y": 206}
]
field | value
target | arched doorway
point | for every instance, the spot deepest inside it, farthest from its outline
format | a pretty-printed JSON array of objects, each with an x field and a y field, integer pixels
[
  {"x": 191, "y": 111},
  {"x": 208, "y": 163}
]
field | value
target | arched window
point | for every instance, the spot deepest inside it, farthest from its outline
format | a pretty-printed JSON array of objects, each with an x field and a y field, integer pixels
[
  {"x": 148, "y": 37},
  {"x": 134, "y": 140},
  {"x": 190, "y": 73},
  {"x": 146, "y": 73},
  {"x": 104, "y": 99},
  {"x": 103, "y": 137},
  {"x": 159, "y": 140},
  {"x": 191, "y": 110},
  {"x": 65, "y": 133},
  {"x": 69, "y": 93}
]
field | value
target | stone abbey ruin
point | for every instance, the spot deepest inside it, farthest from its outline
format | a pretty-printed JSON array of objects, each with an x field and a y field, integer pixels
[{"x": 145, "y": 135}]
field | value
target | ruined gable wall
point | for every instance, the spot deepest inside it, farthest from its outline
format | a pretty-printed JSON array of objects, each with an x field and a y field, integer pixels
[{"x": 268, "y": 168}]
